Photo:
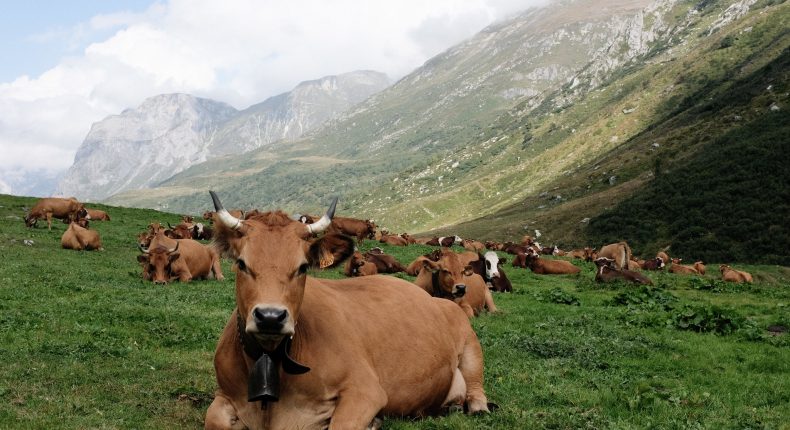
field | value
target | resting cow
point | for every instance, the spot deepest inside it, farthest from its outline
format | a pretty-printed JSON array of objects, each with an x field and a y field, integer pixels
[
  {"x": 357, "y": 265},
  {"x": 489, "y": 266},
  {"x": 394, "y": 240},
  {"x": 187, "y": 260},
  {"x": 97, "y": 215},
  {"x": 542, "y": 266},
  {"x": 413, "y": 356},
  {"x": 450, "y": 279},
  {"x": 55, "y": 207},
  {"x": 607, "y": 272},
  {"x": 654, "y": 264},
  {"x": 729, "y": 274},
  {"x": 80, "y": 238},
  {"x": 680, "y": 269},
  {"x": 700, "y": 267}
]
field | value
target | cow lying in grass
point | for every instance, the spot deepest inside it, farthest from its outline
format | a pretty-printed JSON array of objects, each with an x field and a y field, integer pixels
[
  {"x": 80, "y": 238},
  {"x": 184, "y": 261},
  {"x": 680, "y": 269},
  {"x": 729, "y": 274},
  {"x": 608, "y": 272},
  {"x": 542, "y": 266}
]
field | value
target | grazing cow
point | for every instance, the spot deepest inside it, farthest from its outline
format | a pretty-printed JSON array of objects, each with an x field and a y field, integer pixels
[
  {"x": 361, "y": 229},
  {"x": 97, "y": 215},
  {"x": 729, "y": 274},
  {"x": 393, "y": 240},
  {"x": 357, "y": 265},
  {"x": 54, "y": 207},
  {"x": 489, "y": 266},
  {"x": 620, "y": 252},
  {"x": 654, "y": 264},
  {"x": 473, "y": 245},
  {"x": 282, "y": 315},
  {"x": 187, "y": 260},
  {"x": 607, "y": 272},
  {"x": 80, "y": 238},
  {"x": 542, "y": 266},
  {"x": 700, "y": 266},
  {"x": 448, "y": 278},
  {"x": 680, "y": 269}
]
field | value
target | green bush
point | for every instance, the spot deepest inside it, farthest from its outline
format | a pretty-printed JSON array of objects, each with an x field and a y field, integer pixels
[
  {"x": 558, "y": 295},
  {"x": 707, "y": 319}
]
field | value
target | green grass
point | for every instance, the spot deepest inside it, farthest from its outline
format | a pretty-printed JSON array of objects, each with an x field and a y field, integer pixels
[{"x": 85, "y": 343}]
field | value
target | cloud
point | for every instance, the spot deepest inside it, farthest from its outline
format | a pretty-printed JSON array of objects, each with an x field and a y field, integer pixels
[{"x": 239, "y": 52}]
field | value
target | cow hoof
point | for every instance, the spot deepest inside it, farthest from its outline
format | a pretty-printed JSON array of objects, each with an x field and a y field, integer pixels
[{"x": 376, "y": 424}]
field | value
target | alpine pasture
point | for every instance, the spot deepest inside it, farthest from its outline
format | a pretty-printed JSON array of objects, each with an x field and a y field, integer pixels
[{"x": 86, "y": 343}]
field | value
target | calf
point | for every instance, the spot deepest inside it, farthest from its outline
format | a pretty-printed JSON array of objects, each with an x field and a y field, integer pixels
[
  {"x": 607, "y": 272},
  {"x": 357, "y": 265},
  {"x": 544, "y": 267},
  {"x": 678, "y": 268},
  {"x": 79, "y": 238},
  {"x": 729, "y": 274}
]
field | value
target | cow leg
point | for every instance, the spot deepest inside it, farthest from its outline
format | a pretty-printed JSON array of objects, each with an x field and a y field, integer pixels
[
  {"x": 471, "y": 365},
  {"x": 490, "y": 301},
  {"x": 49, "y": 221},
  {"x": 222, "y": 415},
  {"x": 216, "y": 268},
  {"x": 358, "y": 408}
]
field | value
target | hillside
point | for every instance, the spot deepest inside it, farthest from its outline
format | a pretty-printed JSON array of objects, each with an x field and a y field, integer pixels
[
  {"x": 540, "y": 122},
  {"x": 98, "y": 347},
  {"x": 168, "y": 133}
]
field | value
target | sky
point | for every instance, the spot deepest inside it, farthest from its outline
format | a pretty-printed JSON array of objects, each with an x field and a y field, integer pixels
[{"x": 68, "y": 64}]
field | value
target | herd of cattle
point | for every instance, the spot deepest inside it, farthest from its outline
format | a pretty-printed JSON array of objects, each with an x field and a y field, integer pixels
[{"x": 391, "y": 350}]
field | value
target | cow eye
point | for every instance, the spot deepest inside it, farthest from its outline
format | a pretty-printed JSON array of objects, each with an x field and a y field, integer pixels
[
  {"x": 303, "y": 268},
  {"x": 241, "y": 265}
]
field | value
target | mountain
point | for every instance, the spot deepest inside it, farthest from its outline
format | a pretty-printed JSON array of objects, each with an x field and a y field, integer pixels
[
  {"x": 168, "y": 133},
  {"x": 544, "y": 121}
]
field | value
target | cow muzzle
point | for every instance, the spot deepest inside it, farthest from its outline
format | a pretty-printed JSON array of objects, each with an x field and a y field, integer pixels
[
  {"x": 270, "y": 320},
  {"x": 459, "y": 290}
]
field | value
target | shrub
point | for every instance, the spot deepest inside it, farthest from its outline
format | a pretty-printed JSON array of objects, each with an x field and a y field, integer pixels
[
  {"x": 707, "y": 318},
  {"x": 645, "y": 296},
  {"x": 558, "y": 295}
]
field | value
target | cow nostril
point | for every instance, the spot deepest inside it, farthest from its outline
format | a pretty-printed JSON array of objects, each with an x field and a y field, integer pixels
[{"x": 269, "y": 318}]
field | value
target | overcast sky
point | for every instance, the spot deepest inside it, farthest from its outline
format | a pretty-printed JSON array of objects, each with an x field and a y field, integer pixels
[{"x": 68, "y": 64}]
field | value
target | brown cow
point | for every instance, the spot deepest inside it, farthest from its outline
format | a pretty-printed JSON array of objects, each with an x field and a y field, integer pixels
[
  {"x": 729, "y": 274},
  {"x": 680, "y": 269},
  {"x": 700, "y": 266},
  {"x": 654, "y": 264},
  {"x": 494, "y": 246},
  {"x": 415, "y": 266},
  {"x": 361, "y": 229},
  {"x": 634, "y": 265},
  {"x": 663, "y": 255},
  {"x": 97, "y": 215},
  {"x": 357, "y": 265},
  {"x": 607, "y": 272},
  {"x": 181, "y": 231},
  {"x": 80, "y": 238},
  {"x": 384, "y": 263},
  {"x": 542, "y": 266},
  {"x": 620, "y": 252},
  {"x": 450, "y": 279},
  {"x": 187, "y": 260},
  {"x": 393, "y": 240},
  {"x": 55, "y": 207},
  {"x": 473, "y": 245},
  {"x": 410, "y": 240},
  {"x": 282, "y": 315}
]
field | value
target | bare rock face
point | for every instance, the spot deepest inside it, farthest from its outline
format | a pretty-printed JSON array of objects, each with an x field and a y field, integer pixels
[{"x": 168, "y": 133}]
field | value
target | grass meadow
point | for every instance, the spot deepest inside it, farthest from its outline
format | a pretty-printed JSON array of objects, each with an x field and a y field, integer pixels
[{"x": 85, "y": 343}]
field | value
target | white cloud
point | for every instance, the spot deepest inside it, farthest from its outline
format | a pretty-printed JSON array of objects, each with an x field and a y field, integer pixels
[{"x": 239, "y": 51}]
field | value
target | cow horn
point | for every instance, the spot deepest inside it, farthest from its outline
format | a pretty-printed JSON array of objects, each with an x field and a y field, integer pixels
[
  {"x": 170, "y": 251},
  {"x": 143, "y": 249},
  {"x": 224, "y": 216},
  {"x": 325, "y": 220}
]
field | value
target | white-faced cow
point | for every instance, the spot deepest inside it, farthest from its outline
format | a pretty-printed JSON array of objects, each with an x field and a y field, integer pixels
[{"x": 375, "y": 345}]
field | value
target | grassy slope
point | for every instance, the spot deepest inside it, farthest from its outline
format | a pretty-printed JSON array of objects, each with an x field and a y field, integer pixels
[{"x": 85, "y": 343}]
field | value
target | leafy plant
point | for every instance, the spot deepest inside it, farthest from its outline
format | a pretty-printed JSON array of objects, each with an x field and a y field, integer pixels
[
  {"x": 707, "y": 318},
  {"x": 558, "y": 295}
]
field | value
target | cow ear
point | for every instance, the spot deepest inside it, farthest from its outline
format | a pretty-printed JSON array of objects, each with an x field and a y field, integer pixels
[
  {"x": 330, "y": 250},
  {"x": 430, "y": 265},
  {"x": 173, "y": 256},
  {"x": 468, "y": 271},
  {"x": 502, "y": 261},
  {"x": 142, "y": 258}
]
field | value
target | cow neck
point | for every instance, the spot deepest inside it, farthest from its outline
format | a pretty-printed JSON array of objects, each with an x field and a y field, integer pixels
[{"x": 263, "y": 382}]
